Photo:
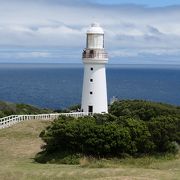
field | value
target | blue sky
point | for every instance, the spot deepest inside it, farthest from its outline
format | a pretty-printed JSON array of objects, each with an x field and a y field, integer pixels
[
  {"x": 151, "y": 3},
  {"x": 53, "y": 31}
]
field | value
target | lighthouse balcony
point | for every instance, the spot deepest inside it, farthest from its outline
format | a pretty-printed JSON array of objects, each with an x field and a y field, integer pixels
[{"x": 94, "y": 54}]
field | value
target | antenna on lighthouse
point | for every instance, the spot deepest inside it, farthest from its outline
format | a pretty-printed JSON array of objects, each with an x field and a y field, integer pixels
[{"x": 94, "y": 93}]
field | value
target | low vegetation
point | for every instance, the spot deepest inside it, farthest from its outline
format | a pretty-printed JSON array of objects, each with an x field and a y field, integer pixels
[
  {"x": 20, "y": 143},
  {"x": 74, "y": 108},
  {"x": 7, "y": 108},
  {"x": 137, "y": 140},
  {"x": 132, "y": 129}
]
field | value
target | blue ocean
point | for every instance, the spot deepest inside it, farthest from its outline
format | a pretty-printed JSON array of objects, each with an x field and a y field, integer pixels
[{"x": 58, "y": 86}]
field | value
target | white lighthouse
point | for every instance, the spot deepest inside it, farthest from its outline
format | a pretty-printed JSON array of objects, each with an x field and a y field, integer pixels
[{"x": 94, "y": 94}]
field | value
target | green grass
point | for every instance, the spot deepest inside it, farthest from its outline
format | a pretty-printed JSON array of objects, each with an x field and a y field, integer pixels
[{"x": 20, "y": 143}]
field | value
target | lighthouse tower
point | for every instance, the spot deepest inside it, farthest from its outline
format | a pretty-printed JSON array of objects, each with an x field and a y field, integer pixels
[{"x": 94, "y": 94}]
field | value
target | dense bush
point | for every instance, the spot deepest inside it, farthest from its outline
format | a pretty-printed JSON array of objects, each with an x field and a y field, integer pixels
[
  {"x": 84, "y": 135},
  {"x": 144, "y": 110},
  {"x": 133, "y": 127},
  {"x": 165, "y": 130}
]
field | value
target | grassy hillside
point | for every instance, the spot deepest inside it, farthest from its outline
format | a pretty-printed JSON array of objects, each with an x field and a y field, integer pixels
[
  {"x": 20, "y": 143},
  {"x": 7, "y": 108}
]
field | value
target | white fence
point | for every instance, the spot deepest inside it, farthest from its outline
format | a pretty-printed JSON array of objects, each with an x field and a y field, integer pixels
[{"x": 13, "y": 119}]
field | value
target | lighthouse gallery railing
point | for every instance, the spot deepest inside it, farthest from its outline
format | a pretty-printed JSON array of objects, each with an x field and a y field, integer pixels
[{"x": 94, "y": 54}]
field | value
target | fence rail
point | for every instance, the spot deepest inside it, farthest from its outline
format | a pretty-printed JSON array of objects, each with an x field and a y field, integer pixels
[{"x": 13, "y": 119}]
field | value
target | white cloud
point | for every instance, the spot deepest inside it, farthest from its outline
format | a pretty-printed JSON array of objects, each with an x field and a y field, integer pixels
[
  {"x": 144, "y": 52},
  {"x": 22, "y": 55},
  {"x": 131, "y": 30}
]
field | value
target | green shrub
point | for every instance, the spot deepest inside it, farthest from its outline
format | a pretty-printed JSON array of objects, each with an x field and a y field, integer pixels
[
  {"x": 84, "y": 135},
  {"x": 144, "y": 110},
  {"x": 134, "y": 128},
  {"x": 1, "y": 114},
  {"x": 164, "y": 131},
  {"x": 141, "y": 140}
]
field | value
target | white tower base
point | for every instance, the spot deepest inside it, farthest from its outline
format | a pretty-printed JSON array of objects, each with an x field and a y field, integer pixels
[{"x": 94, "y": 96}]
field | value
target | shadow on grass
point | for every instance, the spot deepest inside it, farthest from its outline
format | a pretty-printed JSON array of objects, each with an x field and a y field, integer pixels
[
  {"x": 58, "y": 158},
  {"x": 145, "y": 161}
]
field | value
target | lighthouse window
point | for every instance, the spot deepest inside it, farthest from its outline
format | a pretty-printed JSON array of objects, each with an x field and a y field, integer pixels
[
  {"x": 91, "y": 80},
  {"x": 91, "y": 68},
  {"x": 91, "y": 92}
]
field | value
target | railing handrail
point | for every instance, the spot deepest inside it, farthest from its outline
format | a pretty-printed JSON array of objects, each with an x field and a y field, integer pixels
[
  {"x": 13, "y": 119},
  {"x": 9, "y": 116},
  {"x": 94, "y": 53}
]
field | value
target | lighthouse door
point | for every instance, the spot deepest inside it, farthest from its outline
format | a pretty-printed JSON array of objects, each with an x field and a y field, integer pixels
[{"x": 90, "y": 109}]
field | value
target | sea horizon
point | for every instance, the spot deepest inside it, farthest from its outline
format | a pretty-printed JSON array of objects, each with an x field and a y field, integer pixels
[
  {"x": 57, "y": 86},
  {"x": 68, "y": 65}
]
